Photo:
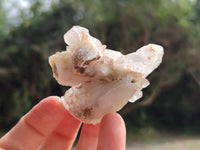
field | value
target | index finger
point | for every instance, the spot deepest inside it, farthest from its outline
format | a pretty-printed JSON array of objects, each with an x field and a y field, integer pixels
[{"x": 35, "y": 126}]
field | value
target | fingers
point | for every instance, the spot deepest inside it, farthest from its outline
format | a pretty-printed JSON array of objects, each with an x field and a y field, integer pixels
[
  {"x": 89, "y": 137},
  {"x": 35, "y": 126},
  {"x": 46, "y": 120},
  {"x": 112, "y": 133},
  {"x": 64, "y": 135},
  {"x": 109, "y": 135}
]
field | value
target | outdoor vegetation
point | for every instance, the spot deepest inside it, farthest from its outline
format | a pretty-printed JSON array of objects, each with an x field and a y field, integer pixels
[{"x": 171, "y": 102}]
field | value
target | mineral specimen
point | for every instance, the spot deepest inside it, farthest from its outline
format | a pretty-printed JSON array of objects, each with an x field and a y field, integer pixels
[{"x": 102, "y": 80}]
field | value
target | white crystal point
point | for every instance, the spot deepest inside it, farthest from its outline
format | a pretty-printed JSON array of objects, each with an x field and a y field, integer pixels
[
  {"x": 136, "y": 96},
  {"x": 102, "y": 80},
  {"x": 76, "y": 35},
  {"x": 145, "y": 59}
]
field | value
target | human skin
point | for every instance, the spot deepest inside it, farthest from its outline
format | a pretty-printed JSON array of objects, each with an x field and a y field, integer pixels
[{"x": 49, "y": 126}]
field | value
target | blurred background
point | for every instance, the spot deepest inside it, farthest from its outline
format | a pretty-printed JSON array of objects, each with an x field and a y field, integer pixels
[{"x": 169, "y": 112}]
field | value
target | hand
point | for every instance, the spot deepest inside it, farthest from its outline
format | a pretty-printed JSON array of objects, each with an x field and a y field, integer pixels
[{"x": 48, "y": 126}]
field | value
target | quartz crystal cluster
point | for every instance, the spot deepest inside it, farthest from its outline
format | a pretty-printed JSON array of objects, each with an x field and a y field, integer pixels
[{"x": 102, "y": 80}]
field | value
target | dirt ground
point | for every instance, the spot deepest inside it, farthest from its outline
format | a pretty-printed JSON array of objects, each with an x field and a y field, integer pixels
[{"x": 169, "y": 143}]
